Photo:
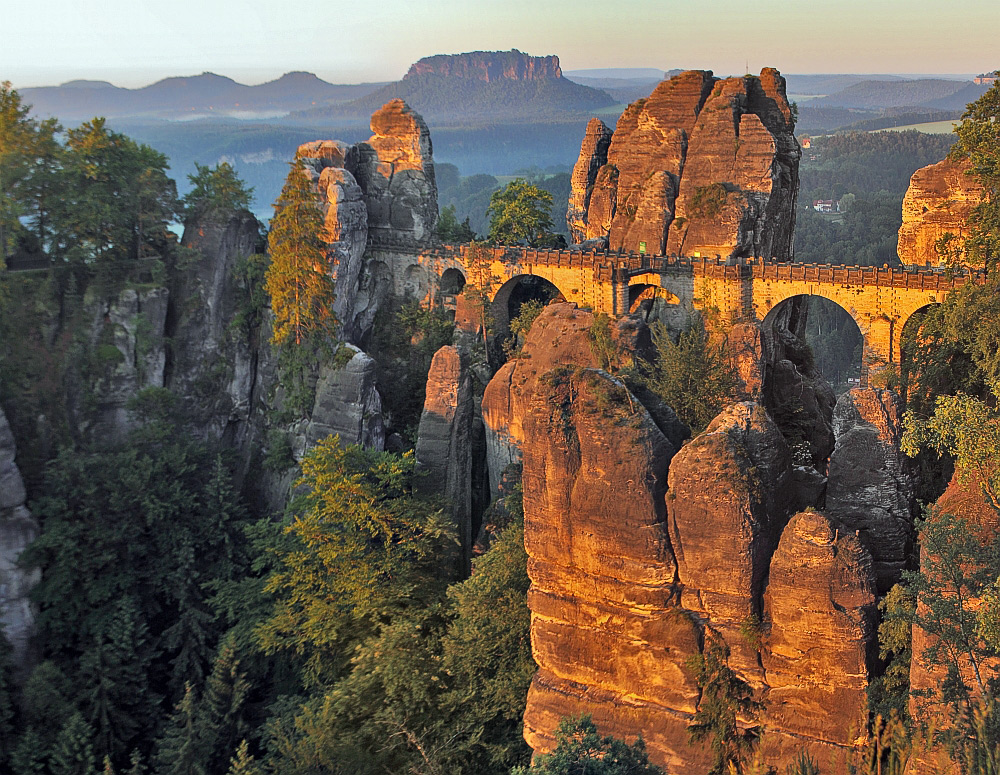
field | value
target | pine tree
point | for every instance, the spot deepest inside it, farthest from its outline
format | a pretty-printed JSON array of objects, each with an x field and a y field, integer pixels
[
  {"x": 243, "y": 762},
  {"x": 73, "y": 754},
  {"x": 299, "y": 279},
  {"x": 180, "y": 750},
  {"x": 220, "y": 717}
]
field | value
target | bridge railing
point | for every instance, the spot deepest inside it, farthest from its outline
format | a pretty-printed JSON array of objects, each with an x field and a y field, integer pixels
[{"x": 618, "y": 266}]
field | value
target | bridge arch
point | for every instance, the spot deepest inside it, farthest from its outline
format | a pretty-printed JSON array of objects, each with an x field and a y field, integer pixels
[
  {"x": 452, "y": 281},
  {"x": 518, "y": 289},
  {"x": 831, "y": 330}
]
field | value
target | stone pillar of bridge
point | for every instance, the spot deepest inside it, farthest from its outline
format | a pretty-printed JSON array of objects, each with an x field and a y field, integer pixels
[
  {"x": 880, "y": 346},
  {"x": 620, "y": 284}
]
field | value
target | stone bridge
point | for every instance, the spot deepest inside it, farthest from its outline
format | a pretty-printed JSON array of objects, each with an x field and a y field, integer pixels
[{"x": 880, "y": 300}]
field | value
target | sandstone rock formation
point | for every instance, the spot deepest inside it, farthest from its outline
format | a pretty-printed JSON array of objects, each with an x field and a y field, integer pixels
[
  {"x": 347, "y": 404},
  {"x": 938, "y": 201},
  {"x": 17, "y": 529},
  {"x": 345, "y": 217},
  {"x": 128, "y": 353},
  {"x": 395, "y": 170},
  {"x": 444, "y": 440},
  {"x": 723, "y": 504},
  {"x": 374, "y": 194},
  {"x": 489, "y": 66},
  {"x": 214, "y": 369},
  {"x": 593, "y": 156},
  {"x": 819, "y": 605},
  {"x": 630, "y": 576},
  {"x": 701, "y": 167},
  {"x": 869, "y": 488}
]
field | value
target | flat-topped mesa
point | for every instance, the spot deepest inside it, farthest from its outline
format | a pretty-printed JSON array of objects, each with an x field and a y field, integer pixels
[
  {"x": 702, "y": 166},
  {"x": 488, "y": 66},
  {"x": 939, "y": 200}
]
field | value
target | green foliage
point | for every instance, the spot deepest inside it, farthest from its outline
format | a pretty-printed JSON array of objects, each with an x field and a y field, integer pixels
[
  {"x": 890, "y": 746},
  {"x": 250, "y": 274},
  {"x": 581, "y": 750},
  {"x": 406, "y": 336},
  {"x": 602, "y": 343},
  {"x": 978, "y": 144},
  {"x": 803, "y": 764},
  {"x": 360, "y": 542},
  {"x": 707, "y": 201},
  {"x": 520, "y": 213},
  {"x": 724, "y": 697},
  {"x": 521, "y": 325},
  {"x": 889, "y": 693},
  {"x": 450, "y": 230},
  {"x": 218, "y": 189},
  {"x": 691, "y": 375},
  {"x": 403, "y": 672},
  {"x": 300, "y": 284}
]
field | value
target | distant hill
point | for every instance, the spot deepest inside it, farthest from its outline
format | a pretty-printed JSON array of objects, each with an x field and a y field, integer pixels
[
  {"x": 930, "y": 92},
  {"x": 623, "y": 90},
  {"x": 822, "y": 84},
  {"x": 477, "y": 86},
  {"x": 207, "y": 94}
]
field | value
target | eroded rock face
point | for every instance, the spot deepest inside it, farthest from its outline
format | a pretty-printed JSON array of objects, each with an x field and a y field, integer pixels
[
  {"x": 215, "y": 366},
  {"x": 869, "y": 489},
  {"x": 593, "y": 156},
  {"x": 489, "y": 66},
  {"x": 348, "y": 404},
  {"x": 395, "y": 170},
  {"x": 939, "y": 200},
  {"x": 819, "y": 608},
  {"x": 444, "y": 439},
  {"x": 726, "y": 518},
  {"x": 702, "y": 166},
  {"x": 17, "y": 529},
  {"x": 345, "y": 218},
  {"x": 601, "y": 565},
  {"x": 127, "y": 354}
]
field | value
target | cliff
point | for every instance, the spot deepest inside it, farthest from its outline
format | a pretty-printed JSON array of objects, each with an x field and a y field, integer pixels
[
  {"x": 488, "y": 66},
  {"x": 480, "y": 86},
  {"x": 702, "y": 166},
  {"x": 939, "y": 200},
  {"x": 640, "y": 548}
]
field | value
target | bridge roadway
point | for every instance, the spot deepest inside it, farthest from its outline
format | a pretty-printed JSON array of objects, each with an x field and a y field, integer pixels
[{"x": 880, "y": 300}]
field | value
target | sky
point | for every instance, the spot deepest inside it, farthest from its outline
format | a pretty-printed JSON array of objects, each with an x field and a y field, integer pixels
[{"x": 136, "y": 42}]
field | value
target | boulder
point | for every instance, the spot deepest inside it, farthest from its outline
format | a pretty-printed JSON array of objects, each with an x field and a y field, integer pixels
[{"x": 347, "y": 403}]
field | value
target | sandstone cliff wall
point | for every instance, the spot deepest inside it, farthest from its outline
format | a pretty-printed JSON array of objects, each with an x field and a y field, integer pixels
[
  {"x": 640, "y": 548},
  {"x": 938, "y": 201},
  {"x": 702, "y": 166}
]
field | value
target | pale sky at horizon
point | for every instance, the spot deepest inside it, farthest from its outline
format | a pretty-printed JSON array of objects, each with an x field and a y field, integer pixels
[{"x": 136, "y": 42}]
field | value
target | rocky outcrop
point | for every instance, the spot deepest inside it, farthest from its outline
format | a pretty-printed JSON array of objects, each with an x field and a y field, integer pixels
[
  {"x": 701, "y": 167},
  {"x": 488, "y": 66},
  {"x": 444, "y": 440},
  {"x": 345, "y": 217},
  {"x": 869, "y": 490},
  {"x": 819, "y": 609},
  {"x": 593, "y": 156},
  {"x": 17, "y": 529},
  {"x": 214, "y": 368},
  {"x": 347, "y": 404},
  {"x": 127, "y": 352},
  {"x": 601, "y": 566},
  {"x": 395, "y": 170},
  {"x": 630, "y": 576},
  {"x": 375, "y": 194},
  {"x": 938, "y": 201},
  {"x": 723, "y": 504}
]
